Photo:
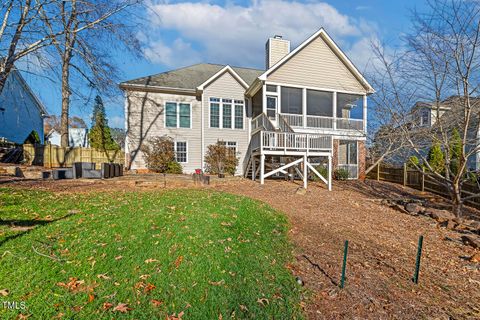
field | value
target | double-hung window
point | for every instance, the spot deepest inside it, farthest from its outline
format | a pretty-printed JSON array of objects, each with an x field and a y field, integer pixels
[
  {"x": 231, "y": 146},
  {"x": 238, "y": 114},
  {"x": 177, "y": 115},
  {"x": 181, "y": 151},
  {"x": 226, "y": 113},
  {"x": 214, "y": 112}
]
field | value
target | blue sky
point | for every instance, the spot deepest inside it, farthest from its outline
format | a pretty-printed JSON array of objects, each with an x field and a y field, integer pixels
[{"x": 179, "y": 33}]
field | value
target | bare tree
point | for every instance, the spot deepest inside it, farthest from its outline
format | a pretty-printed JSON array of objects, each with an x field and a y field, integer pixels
[
  {"x": 21, "y": 33},
  {"x": 440, "y": 67},
  {"x": 88, "y": 32}
]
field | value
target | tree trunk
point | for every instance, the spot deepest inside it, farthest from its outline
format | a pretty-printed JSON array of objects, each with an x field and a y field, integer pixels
[
  {"x": 65, "y": 100},
  {"x": 457, "y": 203}
]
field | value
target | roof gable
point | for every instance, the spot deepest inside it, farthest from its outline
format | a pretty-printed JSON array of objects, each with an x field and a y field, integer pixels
[
  {"x": 219, "y": 74},
  {"x": 320, "y": 61}
]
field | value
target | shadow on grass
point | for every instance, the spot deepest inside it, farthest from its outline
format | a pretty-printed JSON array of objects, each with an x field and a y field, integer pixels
[{"x": 34, "y": 224}]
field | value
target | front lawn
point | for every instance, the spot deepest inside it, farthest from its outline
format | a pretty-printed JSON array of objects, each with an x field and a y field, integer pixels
[{"x": 182, "y": 253}]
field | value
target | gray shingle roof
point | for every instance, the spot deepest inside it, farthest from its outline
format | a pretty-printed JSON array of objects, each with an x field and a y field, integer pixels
[{"x": 192, "y": 76}]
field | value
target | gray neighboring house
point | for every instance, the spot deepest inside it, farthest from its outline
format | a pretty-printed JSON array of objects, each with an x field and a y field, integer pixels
[
  {"x": 21, "y": 111},
  {"x": 307, "y": 104},
  {"x": 77, "y": 137}
]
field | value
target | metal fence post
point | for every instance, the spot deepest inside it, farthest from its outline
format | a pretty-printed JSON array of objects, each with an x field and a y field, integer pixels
[
  {"x": 344, "y": 265},
  {"x": 417, "y": 263},
  {"x": 405, "y": 174}
]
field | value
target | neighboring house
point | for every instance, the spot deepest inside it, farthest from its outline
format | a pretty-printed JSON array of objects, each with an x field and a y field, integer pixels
[
  {"x": 77, "y": 137},
  {"x": 309, "y": 105},
  {"x": 21, "y": 112},
  {"x": 424, "y": 115}
]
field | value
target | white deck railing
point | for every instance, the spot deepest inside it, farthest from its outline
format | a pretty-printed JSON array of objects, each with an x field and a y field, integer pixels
[
  {"x": 319, "y": 122},
  {"x": 286, "y": 141},
  {"x": 296, "y": 120},
  {"x": 262, "y": 122},
  {"x": 350, "y": 124}
]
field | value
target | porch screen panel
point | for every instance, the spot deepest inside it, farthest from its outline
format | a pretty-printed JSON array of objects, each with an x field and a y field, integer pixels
[
  {"x": 349, "y": 106},
  {"x": 291, "y": 100},
  {"x": 319, "y": 103}
]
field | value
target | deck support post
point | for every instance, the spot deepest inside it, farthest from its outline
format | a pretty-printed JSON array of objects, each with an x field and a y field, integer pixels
[
  {"x": 262, "y": 168},
  {"x": 305, "y": 172},
  {"x": 330, "y": 173},
  {"x": 253, "y": 168}
]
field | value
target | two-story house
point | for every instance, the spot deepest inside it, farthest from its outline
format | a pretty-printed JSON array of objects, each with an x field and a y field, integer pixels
[{"x": 309, "y": 105}]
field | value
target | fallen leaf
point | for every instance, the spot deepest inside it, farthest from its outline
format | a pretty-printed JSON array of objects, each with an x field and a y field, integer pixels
[
  {"x": 149, "y": 287},
  {"x": 103, "y": 276},
  {"x": 118, "y": 258},
  {"x": 122, "y": 308},
  {"x": 144, "y": 276},
  {"x": 217, "y": 283},
  {"x": 151, "y": 260},
  {"x": 156, "y": 303},
  {"x": 4, "y": 292},
  {"x": 263, "y": 301},
  {"x": 91, "y": 297},
  {"x": 107, "y": 305},
  {"x": 178, "y": 261},
  {"x": 243, "y": 308}
]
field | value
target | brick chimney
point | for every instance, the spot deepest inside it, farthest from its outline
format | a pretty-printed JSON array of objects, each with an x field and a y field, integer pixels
[{"x": 275, "y": 49}]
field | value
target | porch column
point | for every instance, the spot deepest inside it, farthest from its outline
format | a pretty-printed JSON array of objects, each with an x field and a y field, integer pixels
[
  {"x": 304, "y": 107},
  {"x": 334, "y": 112},
  {"x": 253, "y": 167},
  {"x": 305, "y": 172},
  {"x": 264, "y": 98},
  {"x": 330, "y": 173},
  {"x": 262, "y": 168},
  {"x": 365, "y": 113}
]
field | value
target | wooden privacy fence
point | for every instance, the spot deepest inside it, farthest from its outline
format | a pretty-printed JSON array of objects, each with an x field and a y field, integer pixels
[
  {"x": 51, "y": 156},
  {"x": 416, "y": 179}
]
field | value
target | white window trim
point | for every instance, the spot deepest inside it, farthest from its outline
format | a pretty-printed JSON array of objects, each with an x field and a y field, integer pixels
[
  {"x": 186, "y": 150},
  {"x": 232, "y": 115},
  {"x": 177, "y": 110}
]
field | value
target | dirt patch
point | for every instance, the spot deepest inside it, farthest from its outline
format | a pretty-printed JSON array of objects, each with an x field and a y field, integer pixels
[{"x": 383, "y": 244}]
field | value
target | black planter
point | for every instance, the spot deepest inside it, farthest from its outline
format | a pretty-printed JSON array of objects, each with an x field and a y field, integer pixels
[{"x": 221, "y": 175}]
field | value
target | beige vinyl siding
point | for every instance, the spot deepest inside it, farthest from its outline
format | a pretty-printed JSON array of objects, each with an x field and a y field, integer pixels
[
  {"x": 146, "y": 119},
  {"x": 227, "y": 87},
  {"x": 318, "y": 66}
]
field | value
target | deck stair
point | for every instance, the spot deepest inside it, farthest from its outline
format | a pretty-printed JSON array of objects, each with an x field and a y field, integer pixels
[{"x": 276, "y": 150}]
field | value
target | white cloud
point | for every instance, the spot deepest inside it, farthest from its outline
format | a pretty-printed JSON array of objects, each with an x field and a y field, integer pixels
[{"x": 236, "y": 35}]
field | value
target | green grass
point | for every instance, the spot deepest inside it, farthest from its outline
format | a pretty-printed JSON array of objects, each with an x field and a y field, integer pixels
[{"x": 206, "y": 254}]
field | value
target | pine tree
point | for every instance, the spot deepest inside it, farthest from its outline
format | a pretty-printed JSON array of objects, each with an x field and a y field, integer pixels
[
  {"x": 100, "y": 136},
  {"x": 436, "y": 159},
  {"x": 455, "y": 151}
]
